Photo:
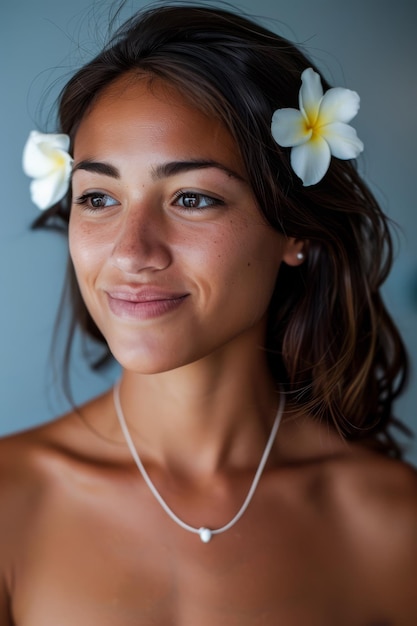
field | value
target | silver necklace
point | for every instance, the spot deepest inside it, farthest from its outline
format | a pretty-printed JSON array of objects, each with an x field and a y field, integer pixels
[{"x": 205, "y": 533}]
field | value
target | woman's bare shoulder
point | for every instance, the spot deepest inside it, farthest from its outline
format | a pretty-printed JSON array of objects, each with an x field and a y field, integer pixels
[
  {"x": 93, "y": 416},
  {"x": 358, "y": 476},
  {"x": 41, "y": 468},
  {"x": 371, "y": 492},
  {"x": 375, "y": 482},
  {"x": 26, "y": 458},
  {"x": 31, "y": 458},
  {"x": 22, "y": 452},
  {"x": 376, "y": 501}
]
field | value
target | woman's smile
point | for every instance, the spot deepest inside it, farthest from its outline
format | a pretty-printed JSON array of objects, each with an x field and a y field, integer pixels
[{"x": 143, "y": 304}]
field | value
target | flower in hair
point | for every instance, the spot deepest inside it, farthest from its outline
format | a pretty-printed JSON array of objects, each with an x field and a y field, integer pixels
[
  {"x": 47, "y": 161},
  {"x": 319, "y": 129}
]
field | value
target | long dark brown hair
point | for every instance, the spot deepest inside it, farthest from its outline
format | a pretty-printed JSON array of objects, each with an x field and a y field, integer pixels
[{"x": 331, "y": 343}]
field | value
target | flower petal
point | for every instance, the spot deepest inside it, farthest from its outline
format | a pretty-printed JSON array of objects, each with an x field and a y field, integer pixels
[
  {"x": 35, "y": 162},
  {"x": 311, "y": 161},
  {"x": 338, "y": 105},
  {"x": 39, "y": 149},
  {"x": 342, "y": 139},
  {"x": 47, "y": 161},
  {"x": 311, "y": 93},
  {"x": 289, "y": 128},
  {"x": 47, "y": 191}
]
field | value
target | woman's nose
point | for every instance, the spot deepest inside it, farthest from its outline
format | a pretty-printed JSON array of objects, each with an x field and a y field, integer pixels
[{"x": 141, "y": 241}]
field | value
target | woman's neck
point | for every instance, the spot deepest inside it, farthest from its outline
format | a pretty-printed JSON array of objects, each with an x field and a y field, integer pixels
[{"x": 213, "y": 413}]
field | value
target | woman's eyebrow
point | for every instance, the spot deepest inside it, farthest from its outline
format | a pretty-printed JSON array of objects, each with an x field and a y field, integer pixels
[
  {"x": 163, "y": 170},
  {"x": 177, "y": 167},
  {"x": 97, "y": 167}
]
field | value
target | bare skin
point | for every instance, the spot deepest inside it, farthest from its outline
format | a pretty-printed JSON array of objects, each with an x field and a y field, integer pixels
[
  {"x": 177, "y": 267},
  {"x": 330, "y": 537}
]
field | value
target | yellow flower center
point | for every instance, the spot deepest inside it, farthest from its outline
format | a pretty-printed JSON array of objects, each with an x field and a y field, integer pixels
[{"x": 58, "y": 160}]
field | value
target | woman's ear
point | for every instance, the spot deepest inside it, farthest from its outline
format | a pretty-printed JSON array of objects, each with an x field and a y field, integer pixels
[{"x": 295, "y": 251}]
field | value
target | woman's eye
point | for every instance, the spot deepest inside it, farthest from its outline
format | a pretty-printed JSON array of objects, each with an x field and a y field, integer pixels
[
  {"x": 193, "y": 200},
  {"x": 95, "y": 201}
]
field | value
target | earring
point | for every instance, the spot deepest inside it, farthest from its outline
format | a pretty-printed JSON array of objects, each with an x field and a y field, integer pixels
[{"x": 300, "y": 256}]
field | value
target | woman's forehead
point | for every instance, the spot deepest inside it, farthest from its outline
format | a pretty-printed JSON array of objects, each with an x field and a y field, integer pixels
[{"x": 136, "y": 116}]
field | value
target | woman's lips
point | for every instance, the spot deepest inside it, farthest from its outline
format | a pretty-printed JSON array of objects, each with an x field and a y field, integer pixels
[{"x": 143, "y": 305}]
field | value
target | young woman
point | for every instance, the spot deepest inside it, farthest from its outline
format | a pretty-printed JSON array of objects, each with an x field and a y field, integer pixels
[{"x": 226, "y": 252}]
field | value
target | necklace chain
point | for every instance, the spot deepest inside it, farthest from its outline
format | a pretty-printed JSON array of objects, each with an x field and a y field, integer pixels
[{"x": 204, "y": 533}]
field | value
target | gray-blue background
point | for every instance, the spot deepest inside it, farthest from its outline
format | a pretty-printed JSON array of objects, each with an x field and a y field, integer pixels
[{"x": 366, "y": 45}]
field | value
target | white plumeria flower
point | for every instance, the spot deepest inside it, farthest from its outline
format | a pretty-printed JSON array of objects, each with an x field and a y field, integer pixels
[
  {"x": 319, "y": 129},
  {"x": 46, "y": 160}
]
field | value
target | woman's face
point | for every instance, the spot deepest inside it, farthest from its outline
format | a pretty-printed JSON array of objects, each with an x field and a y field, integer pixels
[{"x": 173, "y": 258}]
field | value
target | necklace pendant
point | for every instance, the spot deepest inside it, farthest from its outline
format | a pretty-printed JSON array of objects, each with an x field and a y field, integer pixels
[{"x": 205, "y": 534}]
